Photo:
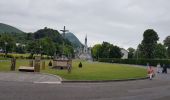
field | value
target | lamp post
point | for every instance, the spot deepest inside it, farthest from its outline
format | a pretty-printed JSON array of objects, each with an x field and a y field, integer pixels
[
  {"x": 6, "y": 49},
  {"x": 40, "y": 51}
]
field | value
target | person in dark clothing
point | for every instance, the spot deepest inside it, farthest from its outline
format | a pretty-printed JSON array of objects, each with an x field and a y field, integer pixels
[{"x": 164, "y": 69}]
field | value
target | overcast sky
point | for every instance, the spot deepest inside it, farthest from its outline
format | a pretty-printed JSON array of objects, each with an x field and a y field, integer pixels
[{"x": 120, "y": 22}]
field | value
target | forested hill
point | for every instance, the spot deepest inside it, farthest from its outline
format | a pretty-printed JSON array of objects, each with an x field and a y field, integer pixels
[
  {"x": 4, "y": 28},
  {"x": 73, "y": 39},
  {"x": 52, "y": 34}
]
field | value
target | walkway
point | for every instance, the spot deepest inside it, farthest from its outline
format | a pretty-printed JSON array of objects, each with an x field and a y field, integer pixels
[
  {"x": 19, "y": 86},
  {"x": 29, "y": 77}
]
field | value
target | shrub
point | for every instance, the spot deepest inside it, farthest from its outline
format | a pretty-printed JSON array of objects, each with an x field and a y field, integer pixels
[
  {"x": 152, "y": 62},
  {"x": 50, "y": 63},
  {"x": 80, "y": 65}
]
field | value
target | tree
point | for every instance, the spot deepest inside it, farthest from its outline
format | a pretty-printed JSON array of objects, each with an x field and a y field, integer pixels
[
  {"x": 167, "y": 44},
  {"x": 20, "y": 48},
  {"x": 7, "y": 43},
  {"x": 160, "y": 51},
  {"x": 96, "y": 50},
  {"x": 148, "y": 45},
  {"x": 114, "y": 52},
  {"x": 33, "y": 47},
  {"x": 68, "y": 50},
  {"x": 106, "y": 50},
  {"x": 45, "y": 44},
  {"x": 131, "y": 52}
]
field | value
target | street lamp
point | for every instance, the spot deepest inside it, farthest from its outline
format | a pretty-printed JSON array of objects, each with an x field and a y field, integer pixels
[
  {"x": 40, "y": 50},
  {"x": 6, "y": 49}
]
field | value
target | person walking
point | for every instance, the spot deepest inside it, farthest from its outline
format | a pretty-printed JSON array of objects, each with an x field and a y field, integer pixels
[
  {"x": 164, "y": 70},
  {"x": 158, "y": 68},
  {"x": 150, "y": 71}
]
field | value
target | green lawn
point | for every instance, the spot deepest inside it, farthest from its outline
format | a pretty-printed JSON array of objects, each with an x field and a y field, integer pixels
[
  {"x": 100, "y": 71},
  {"x": 90, "y": 71}
]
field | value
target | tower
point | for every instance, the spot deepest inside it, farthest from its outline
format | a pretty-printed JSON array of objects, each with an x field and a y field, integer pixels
[
  {"x": 85, "y": 46},
  {"x": 86, "y": 54},
  {"x": 86, "y": 40}
]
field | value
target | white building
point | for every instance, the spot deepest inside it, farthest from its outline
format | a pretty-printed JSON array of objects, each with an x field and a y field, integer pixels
[
  {"x": 86, "y": 53},
  {"x": 125, "y": 53}
]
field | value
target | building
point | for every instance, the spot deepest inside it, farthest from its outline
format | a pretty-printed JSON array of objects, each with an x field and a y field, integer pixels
[
  {"x": 125, "y": 53},
  {"x": 85, "y": 52}
]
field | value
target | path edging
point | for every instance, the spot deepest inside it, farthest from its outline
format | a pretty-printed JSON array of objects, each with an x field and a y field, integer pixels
[{"x": 102, "y": 81}]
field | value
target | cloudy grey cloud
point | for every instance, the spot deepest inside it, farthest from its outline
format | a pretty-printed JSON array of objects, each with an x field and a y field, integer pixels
[{"x": 121, "y": 22}]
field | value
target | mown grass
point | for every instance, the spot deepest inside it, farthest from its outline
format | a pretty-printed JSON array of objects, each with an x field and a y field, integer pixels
[
  {"x": 89, "y": 71},
  {"x": 99, "y": 71},
  {"x": 6, "y": 65}
]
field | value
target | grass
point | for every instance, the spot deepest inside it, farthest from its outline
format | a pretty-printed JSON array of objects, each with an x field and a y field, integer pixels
[
  {"x": 89, "y": 71},
  {"x": 5, "y": 65},
  {"x": 100, "y": 71}
]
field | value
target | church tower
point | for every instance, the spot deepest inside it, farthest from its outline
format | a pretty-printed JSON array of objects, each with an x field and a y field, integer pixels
[
  {"x": 85, "y": 46},
  {"x": 86, "y": 54}
]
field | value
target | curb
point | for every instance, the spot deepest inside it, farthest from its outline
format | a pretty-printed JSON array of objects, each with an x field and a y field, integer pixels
[
  {"x": 103, "y": 81},
  {"x": 60, "y": 79}
]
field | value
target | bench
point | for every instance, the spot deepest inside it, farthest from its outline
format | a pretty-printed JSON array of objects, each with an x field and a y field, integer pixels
[{"x": 26, "y": 69}]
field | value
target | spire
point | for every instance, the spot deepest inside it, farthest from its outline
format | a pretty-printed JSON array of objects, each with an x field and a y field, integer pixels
[{"x": 86, "y": 40}]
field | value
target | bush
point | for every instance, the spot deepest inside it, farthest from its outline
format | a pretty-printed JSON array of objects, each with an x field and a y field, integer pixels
[
  {"x": 152, "y": 62},
  {"x": 80, "y": 65},
  {"x": 50, "y": 63},
  {"x": 9, "y": 56}
]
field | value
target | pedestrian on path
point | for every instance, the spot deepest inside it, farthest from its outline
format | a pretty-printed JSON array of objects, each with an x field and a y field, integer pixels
[
  {"x": 150, "y": 71},
  {"x": 164, "y": 70},
  {"x": 158, "y": 68}
]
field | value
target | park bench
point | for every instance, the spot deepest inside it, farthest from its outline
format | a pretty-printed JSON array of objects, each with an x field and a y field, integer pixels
[
  {"x": 26, "y": 69},
  {"x": 33, "y": 67}
]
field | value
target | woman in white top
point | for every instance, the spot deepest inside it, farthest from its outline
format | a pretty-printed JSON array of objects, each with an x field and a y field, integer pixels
[{"x": 158, "y": 68}]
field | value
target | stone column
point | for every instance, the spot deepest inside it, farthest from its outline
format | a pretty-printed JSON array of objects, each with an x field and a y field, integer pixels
[
  {"x": 43, "y": 65},
  {"x": 37, "y": 64},
  {"x": 13, "y": 64}
]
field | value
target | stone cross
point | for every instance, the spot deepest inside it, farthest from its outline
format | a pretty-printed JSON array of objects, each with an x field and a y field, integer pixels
[{"x": 64, "y": 31}]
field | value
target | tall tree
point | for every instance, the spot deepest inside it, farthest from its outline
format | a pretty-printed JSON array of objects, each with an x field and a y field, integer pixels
[
  {"x": 131, "y": 52},
  {"x": 150, "y": 38},
  {"x": 167, "y": 44},
  {"x": 106, "y": 50},
  {"x": 114, "y": 52},
  {"x": 96, "y": 51},
  {"x": 33, "y": 47},
  {"x": 160, "y": 51},
  {"x": 7, "y": 43}
]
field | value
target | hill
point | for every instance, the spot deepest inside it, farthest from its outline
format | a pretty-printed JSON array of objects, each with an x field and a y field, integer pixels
[
  {"x": 4, "y": 28},
  {"x": 73, "y": 39}
]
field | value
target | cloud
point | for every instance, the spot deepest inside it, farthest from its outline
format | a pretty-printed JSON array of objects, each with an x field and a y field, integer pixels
[{"x": 121, "y": 22}]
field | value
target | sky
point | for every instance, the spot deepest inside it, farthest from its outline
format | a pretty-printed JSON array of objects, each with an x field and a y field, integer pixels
[{"x": 120, "y": 22}]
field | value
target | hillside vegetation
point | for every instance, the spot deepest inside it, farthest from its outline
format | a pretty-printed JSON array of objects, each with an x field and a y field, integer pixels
[{"x": 4, "y": 28}]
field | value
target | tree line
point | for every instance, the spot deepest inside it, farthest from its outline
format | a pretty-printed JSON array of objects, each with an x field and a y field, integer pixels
[
  {"x": 44, "y": 41},
  {"x": 106, "y": 50},
  {"x": 149, "y": 48},
  {"x": 49, "y": 42}
]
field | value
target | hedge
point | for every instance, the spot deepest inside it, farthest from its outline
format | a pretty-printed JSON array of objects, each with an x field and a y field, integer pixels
[
  {"x": 20, "y": 56},
  {"x": 152, "y": 62}
]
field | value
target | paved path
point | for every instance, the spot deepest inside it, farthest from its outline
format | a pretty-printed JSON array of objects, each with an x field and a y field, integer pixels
[
  {"x": 29, "y": 77},
  {"x": 156, "y": 89}
]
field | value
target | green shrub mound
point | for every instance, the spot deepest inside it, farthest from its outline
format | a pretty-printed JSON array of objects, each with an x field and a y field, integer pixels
[{"x": 152, "y": 62}]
